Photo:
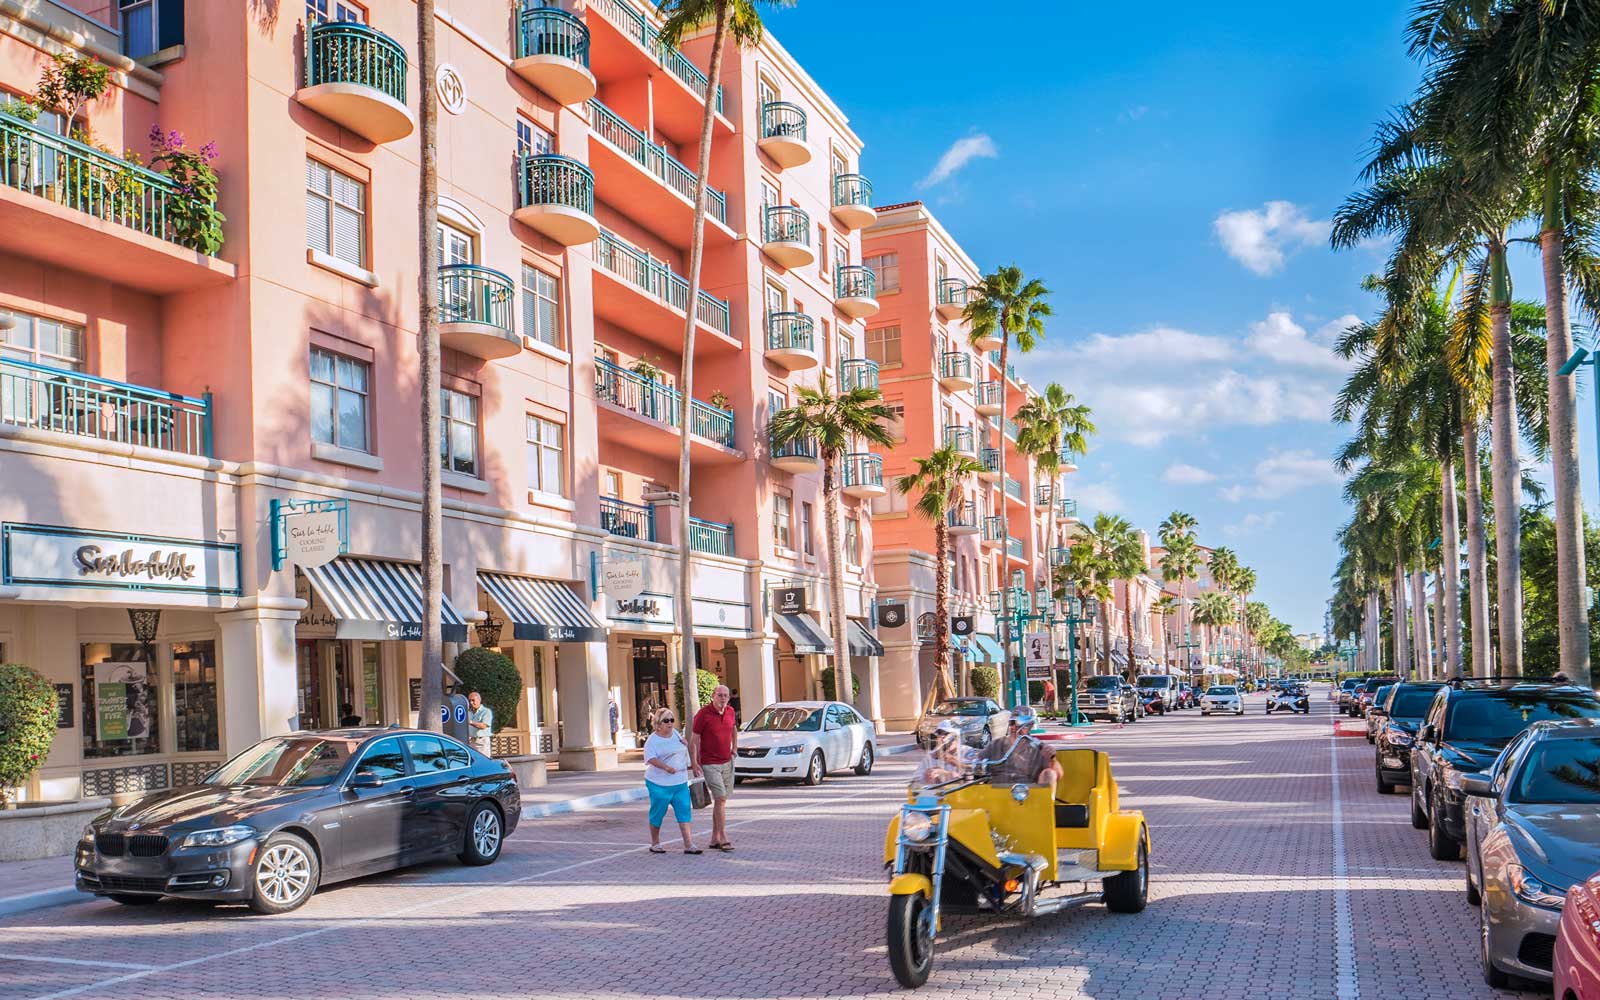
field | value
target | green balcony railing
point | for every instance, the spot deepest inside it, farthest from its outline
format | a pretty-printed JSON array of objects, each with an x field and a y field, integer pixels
[
  {"x": 854, "y": 281},
  {"x": 801, "y": 447},
  {"x": 657, "y": 279},
  {"x": 68, "y": 402},
  {"x": 1042, "y": 495},
  {"x": 991, "y": 459},
  {"x": 987, "y": 393},
  {"x": 548, "y": 31},
  {"x": 863, "y": 468},
  {"x": 634, "y": 144},
  {"x": 963, "y": 514},
  {"x": 955, "y": 292},
  {"x": 1013, "y": 489},
  {"x": 648, "y": 398},
  {"x": 959, "y": 437},
  {"x": 786, "y": 224},
  {"x": 1066, "y": 507},
  {"x": 1011, "y": 369},
  {"x": 956, "y": 364},
  {"x": 80, "y": 177},
  {"x": 1068, "y": 456},
  {"x": 1014, "y": 547},
  {"x": 351, "y": 52},
  {"x": 628, "y": 520},
  {"x": 636, "y": 27},
  {"x": 858, "y": 373},
  {"x": 994, "y": 529},
  {"x": 790, "y": 331},
  {"x": 782, "y": 120},
  {"x": 852, "y": 189},
  {"x": 472, "y": 294},
  {"x": 1060, "y": 556},
  {"x": 1011, "y": 429},
  {"x": 710, "y": 537},
  {"x": 549, "y": 179}
]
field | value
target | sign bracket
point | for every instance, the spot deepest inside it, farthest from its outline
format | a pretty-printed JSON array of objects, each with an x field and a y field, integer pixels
[{"x": 281, "y": 509}]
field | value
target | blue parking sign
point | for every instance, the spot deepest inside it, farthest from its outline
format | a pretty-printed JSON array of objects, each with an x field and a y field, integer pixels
[
  {"x": 461, "y": 713},
  {"x": 444, "y": 714}
]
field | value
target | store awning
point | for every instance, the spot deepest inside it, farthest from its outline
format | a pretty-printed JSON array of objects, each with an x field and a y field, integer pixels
[
  {"x": 806, "y": 634},
  {"x": 989, "y": 650},
  {"x": 862, "y": 641},
  {"x": 377, "y": 599},
  {"x": 1119, "y": 659},
  {"x": 542, "y": 610}
]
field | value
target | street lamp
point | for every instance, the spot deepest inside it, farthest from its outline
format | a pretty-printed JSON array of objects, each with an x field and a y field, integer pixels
[
  {"x": 1068, "y": 612},
  {"x": 1581, "y": 357}
]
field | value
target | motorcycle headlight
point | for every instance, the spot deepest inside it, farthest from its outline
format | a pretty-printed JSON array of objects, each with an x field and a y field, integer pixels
[
  {"x": 1531, "y": 890},
  {"x": 222, "y": 836},
  {"x": 790, "y": 748},
  {"x": 916, "y": 826}
]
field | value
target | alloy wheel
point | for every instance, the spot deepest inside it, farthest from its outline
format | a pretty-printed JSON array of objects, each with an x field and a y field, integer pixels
[
  {"x": 486, "y": 833},
  {"x": 284, "y": 874}
]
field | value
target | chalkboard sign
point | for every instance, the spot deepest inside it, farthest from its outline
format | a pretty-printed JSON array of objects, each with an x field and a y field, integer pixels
[
  {"x": 416, "y": 694},
  {"x": 64, "y": 711}
]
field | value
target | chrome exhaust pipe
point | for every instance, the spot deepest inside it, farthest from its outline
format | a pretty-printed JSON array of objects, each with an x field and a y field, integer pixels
[{"x": 1034, "y": 865}]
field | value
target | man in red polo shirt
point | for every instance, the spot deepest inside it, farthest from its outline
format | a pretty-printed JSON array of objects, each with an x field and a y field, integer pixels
[{"x": 712, "y": 741}]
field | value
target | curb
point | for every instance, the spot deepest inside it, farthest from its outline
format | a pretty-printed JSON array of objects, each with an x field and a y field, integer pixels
[
  {"x": 43, "y": 899},
  {"x": 584, "y": 803}
]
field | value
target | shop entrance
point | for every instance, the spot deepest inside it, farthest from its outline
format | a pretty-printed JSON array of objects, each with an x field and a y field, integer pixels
[
  {"x": 340, "y": 683},
  {"x": 649, "y": 679}
]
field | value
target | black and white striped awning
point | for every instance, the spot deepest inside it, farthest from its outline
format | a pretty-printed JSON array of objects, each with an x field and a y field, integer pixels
[
  {"x": 806, "y": 634},
  {"x": 862, "y": 641},
  {"x": 377, "y": 599},
  {"x": 542, "y": 610}
]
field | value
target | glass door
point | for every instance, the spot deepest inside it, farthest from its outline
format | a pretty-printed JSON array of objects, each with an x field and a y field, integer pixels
[{"x": 308, "y": 668}]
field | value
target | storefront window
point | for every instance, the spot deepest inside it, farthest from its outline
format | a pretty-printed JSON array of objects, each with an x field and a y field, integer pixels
[
  {"x": 370, "y": 684},
  {"x": 194, "y": 695},
  {"x": 121, "y": 704}
]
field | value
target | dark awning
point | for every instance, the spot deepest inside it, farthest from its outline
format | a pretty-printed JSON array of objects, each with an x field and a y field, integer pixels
[
  {"x": 542, "y": 610},
  {"x": 377, "y": 599},
  {"x": 805, "y": 633},
  {"x": 862, "y": 641}
]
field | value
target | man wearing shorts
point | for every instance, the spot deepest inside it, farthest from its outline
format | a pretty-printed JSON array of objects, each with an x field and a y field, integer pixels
[{"x": 713, "y": 740}]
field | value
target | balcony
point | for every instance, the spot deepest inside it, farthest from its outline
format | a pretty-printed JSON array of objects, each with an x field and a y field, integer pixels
[
  {"x": 962, "y": 439},
  {"x": 791, "y": 344},
  {"x": 477, "y": 307},
  {"x": 552, "y": 53},
  {"x": 645, "y": 296},
  {"x": 68, "y": 204},
  {"x": 1043, "y": 497},
  {"x": 633, "y": 399},
  {"x": 1069, "y": 461},
  {"x": 658, "y": 190},
  {"x": 962, "y": 518},
  {"x": 1060, "y": 556},
  {"x": 356, "y": 78},
  {"x": 1011, "y": 430},
  {"x": 116, "y": 413},
  {"x": 991, "y": 465},
  {"x": 994, "y": 532},
  {"x": 863, "y": 475},
  {"x": 1014, "y": 550},
  {"x": 786, "y": 236},
  {"x": 955, "y": 370},
  {"x": 628, "y": 520},
  {"x": 625, "y": 50},
  {"x": 858, "y": 373},
  {"x": 953, "y": 296},
  {"x": 783, "y": 134},
  {"x": 1066, "y": 511},
  {"x": 855, "y": 291},
  {"x": 988, "y": 397},
  {"x": 555, "y": 195},
  {"x": 1011, "y": 369},
  {"x": 1014, "y": 490},
  {"x": 852, "y": 202},
  {"x": 797, "y": 457},
  {"x": 710, "y": 537}
]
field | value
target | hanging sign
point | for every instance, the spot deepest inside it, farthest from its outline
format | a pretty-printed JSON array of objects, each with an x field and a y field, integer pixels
[
  {"x": 789, "y": 600},
  {"x": 961, "y": 625},
  {"x": 622, "y": 575},
  {"x": 891, "y": 615},
  {"x": 313, "y": 538}
]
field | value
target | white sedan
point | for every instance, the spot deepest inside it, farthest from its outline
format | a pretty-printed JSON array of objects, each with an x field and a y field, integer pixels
[
  {"x": 804, "y": 741},
  {"x": 1222, "y": 698}
]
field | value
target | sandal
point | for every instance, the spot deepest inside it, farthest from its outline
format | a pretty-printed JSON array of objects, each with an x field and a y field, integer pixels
[
  {"x": 657, "y": 849},
  {"x": 693, "y": 850},
  {"x": 724, "y": 846}
]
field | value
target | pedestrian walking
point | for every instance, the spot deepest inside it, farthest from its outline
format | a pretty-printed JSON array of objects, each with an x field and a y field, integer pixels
[
  {"x": 713, "y": 741},
  {"x": 480, "y": 723},
  {"x": 666, "y": 778},
  {"x": 615, "y": 714}
]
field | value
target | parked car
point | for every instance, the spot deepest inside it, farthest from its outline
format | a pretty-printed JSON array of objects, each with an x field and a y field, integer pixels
[
  {"x": 1465, "y": 729},
  {"x": 1577, "y": 960},
  {"x": 1139, "y": 710},
  {"x": 1403, "y": 710},
  {"x": 1346, "y": 691},
  {"x": 981, "y": 720},
  {"x": 805, "y": 741},
  {"x": 1165, "y": 685},
  {"x": 1376, "y": 713},
  {"x": 1532, "y": 833},
  {"x": 293, "y": 813},
  {"x": 1108, "y": 696},
  {"x": 1222, "y": 698},
  {"x": 1363, "y": 694}
]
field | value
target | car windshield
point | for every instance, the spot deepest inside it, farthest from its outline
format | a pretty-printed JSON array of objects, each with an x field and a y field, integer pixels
[
  {"x": 1222, "y": 689},
  {"x": 1500, "y": 715},
  {"x": 287, "y": 762},
  {"x": 1353, "y": 683},
  {"x": 953, "y": 707},
  {"x": 1560, "y": 771},
  {"x": 1155, "y": 682},
  {"x": 1383, "y": 693},
  {"x": 786, "y": 719},
  {"x": 1103, "y": 683},
  {"x": 1411, "y": 702}
]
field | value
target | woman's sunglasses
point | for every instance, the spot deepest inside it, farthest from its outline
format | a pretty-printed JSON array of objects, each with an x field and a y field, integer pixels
[{"x": 666, "y": 721}]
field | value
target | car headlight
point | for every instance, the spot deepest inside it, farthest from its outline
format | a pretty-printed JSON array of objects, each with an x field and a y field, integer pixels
[
  {"x": 222, "y": 836},
  {"x": 88, "y": 832},
  {"x": 1399, "y": 740},
  {"x": 791, "y": 748},
  {"x": 1531, "y": 890},
  {"x": 916, "y": 826},
  {"x": 1453, "y": 779}
]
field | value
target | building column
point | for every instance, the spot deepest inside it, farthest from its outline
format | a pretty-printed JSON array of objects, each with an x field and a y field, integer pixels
[
  {"x": 758, "y": 674},
  {"x": 260, "y": 685},
  {"x": 872, "y": 700},
  {"x": 586, "y": 724},
  {"x": 900, "y": 685}
]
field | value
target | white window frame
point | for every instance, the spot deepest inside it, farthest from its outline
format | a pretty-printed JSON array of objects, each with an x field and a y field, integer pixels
[
  {"x": 449, "y": 419},
  {"x": 330, "y": 203},
  {"x": 337, "y": 390},
  {"x": 537, "y": 430}
]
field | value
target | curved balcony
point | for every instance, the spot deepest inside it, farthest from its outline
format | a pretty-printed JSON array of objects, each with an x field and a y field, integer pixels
[
  {"x": 955, "y": 370},
  {"x": 963, "y": 518},
  {"x": 356, "y": 77},
  {"x": 786, "y": 236},
  {"x": 855, "y": 291},
  {"x": 477, "y": 307},
  {"x": 994, "y": 532},
  {"x": 783, "y": 134},
  {"x": 1042, "y": 497},
  {"x": 863, "y": 475},
  {"x": 1066, "y": 511},
  {"x": 791, "y": 344},
  {"x": 852, "y": 201},
  {"x": 962, "y": 439},
  {"x": 953, "y": 296},
  {"x": 555, "y": 195},
  {"x": 858, "y": 373},
  {"x": 1060, "y": 556},
  {"x": 991, "y": 465},
  {"x": 797, "y": 457},
  {"x": 1069, "y": 461},
  {"x": 552, "y": 49},
  {"x": 988, "y": 396}
]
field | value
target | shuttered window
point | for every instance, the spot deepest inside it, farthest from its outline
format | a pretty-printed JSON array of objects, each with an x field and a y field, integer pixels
[
  {"x": 541, "y": 306},
  {"x": 336, "y": 214}
]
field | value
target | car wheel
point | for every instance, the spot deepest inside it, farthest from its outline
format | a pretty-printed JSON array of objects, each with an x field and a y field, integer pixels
[
  {"x": 1419, "y": 819},
  {"x": 814, "y": 771},
  {"x": 132, "y": 899},
  {"x": 1129, "y": 891},
  {"x": 484, "y": 836},
  {"x": 1491, "y": 975},
  {"x": 285, "y": 874},
  {"x": 910, "y": 945},
  {"x": 865, "y": 767},
  {"x": 1441, "y": 846}
]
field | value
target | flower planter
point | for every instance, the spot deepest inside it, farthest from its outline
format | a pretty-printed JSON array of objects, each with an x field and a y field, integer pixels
[{"x": 45, "y": 829}]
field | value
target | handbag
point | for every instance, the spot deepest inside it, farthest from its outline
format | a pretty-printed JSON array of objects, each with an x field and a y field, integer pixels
[{"x": 699, "y": 794}]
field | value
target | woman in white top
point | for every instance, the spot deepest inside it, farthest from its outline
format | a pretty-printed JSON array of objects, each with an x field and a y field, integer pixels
[{"x": 666, "y": 777}]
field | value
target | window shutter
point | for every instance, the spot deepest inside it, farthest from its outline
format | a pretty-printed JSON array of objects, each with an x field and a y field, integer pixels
[{"x": 347, "y": 236}]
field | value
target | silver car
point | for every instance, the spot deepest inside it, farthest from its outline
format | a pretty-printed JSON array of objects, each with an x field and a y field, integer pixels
[
  {"x": 1532, "y": 832},
  {"x": 981, "y": 720},
  {"x": 1222, "y": 698}
]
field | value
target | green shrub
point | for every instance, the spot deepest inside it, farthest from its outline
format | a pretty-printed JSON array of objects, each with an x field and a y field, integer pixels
[
  {"x": 27, "y": 724},
  {"x": 705, "y": 683},
  {"x": 1035, "y": 692},
  {"x": 985, "y": 681},
  {"x": 494, "y": 676},
  {"x": 829, "y": 686}
]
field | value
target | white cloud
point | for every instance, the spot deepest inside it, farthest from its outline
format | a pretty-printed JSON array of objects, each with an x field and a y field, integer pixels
[
  {"x": 1146, "y": 411},
  {"x": 1101, "y": 498},
  {"x": 1283, "y": 473},
  {"x": 1279, "y": 338},
  {"x": 1161, "y": 345},
  {"x": 1183, "y": 474},
  {"x": 1252, "y": 523},
  {"x": 1260, "y": 238},
  {"x": 961, "y": 152}
]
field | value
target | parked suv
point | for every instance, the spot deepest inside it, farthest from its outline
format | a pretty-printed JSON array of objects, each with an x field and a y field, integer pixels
[
  {"x": 1346, "y": 689},
  {"x": 1402, "y": 715},
  {"x": 1165, "y": 683},
  {"x": 1108, "y": 696},
  {"x": 1361, "y": 697}
]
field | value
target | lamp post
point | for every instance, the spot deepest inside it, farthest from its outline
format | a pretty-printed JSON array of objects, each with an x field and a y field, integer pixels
[
  {"x": 1042, "y": 608},
  {"x": 1581, "y": 357}
]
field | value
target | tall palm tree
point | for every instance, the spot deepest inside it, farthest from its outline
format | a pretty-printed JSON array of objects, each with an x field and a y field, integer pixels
[
  {"x": 1008, "y": 307},
  {"x": 1244, "y": 584},
  {"x": 1224, "y": 573},
  {"x": 1212, "y": 611},
  {"x": 428, "y": 337},
  {"x": 1103, "y": 553},
  {"x": 1050, "y": 426},
  {"x": 1181, "y": 561},
  {"x": 937, "y": 482},
  {"x": 1166, "y": 606},
  {"x": 836, "y": 423},
  {"x": 740, "y": 20}
]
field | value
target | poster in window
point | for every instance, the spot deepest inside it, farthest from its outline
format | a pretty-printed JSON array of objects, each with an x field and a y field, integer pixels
[
  {"x": 122, "y": 701},
  {"x": 63, "y": 706}
]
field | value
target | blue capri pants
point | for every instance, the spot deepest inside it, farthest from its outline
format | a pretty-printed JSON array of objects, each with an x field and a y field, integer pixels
[{"x": 662, "y": 796}]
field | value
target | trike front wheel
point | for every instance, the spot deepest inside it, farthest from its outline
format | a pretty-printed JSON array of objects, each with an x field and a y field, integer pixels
[
  {"x": 1128, "y": 892},
  {"x": 910, "y": 944}
]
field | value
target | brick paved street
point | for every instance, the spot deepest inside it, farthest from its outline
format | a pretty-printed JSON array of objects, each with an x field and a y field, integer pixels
[{"x": 1246, "y": 901}]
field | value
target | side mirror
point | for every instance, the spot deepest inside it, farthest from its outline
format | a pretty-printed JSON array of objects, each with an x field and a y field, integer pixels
[
  {"x": 366, "y": 781},
  {"x": 1427, "y": 734},
  {"x": 1479, "y": 785}
]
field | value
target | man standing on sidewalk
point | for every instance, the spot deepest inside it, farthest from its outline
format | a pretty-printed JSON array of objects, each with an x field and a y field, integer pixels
[{"x": 713, "y": 740}]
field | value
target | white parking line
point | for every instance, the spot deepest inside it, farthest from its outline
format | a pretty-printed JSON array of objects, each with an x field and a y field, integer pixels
[
  {"x": 73, "y": 961},
  {"x": 1349, "y": 988}
]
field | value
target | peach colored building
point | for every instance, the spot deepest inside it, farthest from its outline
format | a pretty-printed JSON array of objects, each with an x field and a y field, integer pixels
[
  {"x": 1190, "y": 646},
  {"x": 173, "y": 425}
]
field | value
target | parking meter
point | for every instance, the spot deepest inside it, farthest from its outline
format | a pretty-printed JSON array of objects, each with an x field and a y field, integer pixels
[{"x": 453, "y": 713}]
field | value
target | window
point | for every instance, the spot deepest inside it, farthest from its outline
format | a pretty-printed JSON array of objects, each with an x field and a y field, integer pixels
[
  {"x": 318, "y": 11},
  {"x": 139, "y": 19},
  {"x": 782, "y": 514},
  {"x": 776, "y": 401},
  {"x": 336, "y": 214},
  {"x": 384, "y": 760},
  {"x": 896, "y": 424},
  {"x": 534, "y": 139},
  {"x": 883, "y": 345},
  {"x": 841, "y": 253},
  {"x": 427, "y": 754},
  {"x": 194, "y": 696},
  {"x": 847, "y": 346},
  {"x": 840, "y": 166},
  {"x": 456, "y": 753},
  {"x": 458, "y": 438},
  {"x": 766, "y": 91},
  {"x": 547, "y": 464},
  {"x": 339, "y": 400},
  {"x": 541, "y": 307},
  {"x": 121, "y": 700},
  {"x": 852, "y": 541},
  {"x": 777, "y": 299},
  {"x": 42, "y": 342},
  {"x": 886, "y": 268},
  {"x": 769, "y": 196},
  {"x": 940, "y": 272},
  {"x": 455, "y": 245},
  {"x": 613, "y": 484},
  {"x": 822, "y": 249},
  {"x": 805, "y": 529},
  {"x": 893, "y": 502}
]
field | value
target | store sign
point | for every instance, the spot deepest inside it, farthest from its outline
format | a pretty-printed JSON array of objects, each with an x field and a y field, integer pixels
[
  {"x": 961, "y": 625},
  {"x": 64, "y": 713},
  {"x": 891, "y": 615},
  {"x": 640, "y": 607},
  {"x": 660, "y": 609},
  {"x": 789, "y": 601},
  {"x": 313, "y": 538},
  {"x": 48, "y": 556},
  {"x": 622, "y": 575}
]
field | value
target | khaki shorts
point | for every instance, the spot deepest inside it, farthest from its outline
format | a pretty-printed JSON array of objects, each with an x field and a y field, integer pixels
[{"x": 719, "y": 779}]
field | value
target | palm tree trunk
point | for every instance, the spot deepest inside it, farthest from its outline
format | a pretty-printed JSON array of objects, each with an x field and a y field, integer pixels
[
  {"x": 1572, "y": 615},
  {"x": 843, "y": 686},
  {"x": 1422, "y": 629},
  {"x": 1005, "y": 518},
  {"x": 428, "y": 336},
  {"x": 1477, "y": 548},
  {"x": 1105, "y": 637},
  {"x": 1450, "y": 619},
  {"x": 1397, "y": 617},
  {"x": 1440, "y": 660},
  {"x": 697, "y": 247},
  {"x": 1506, "y": 469},
  {"x": 941, "y": 607},
  {"x": 1127, "y": 593}
]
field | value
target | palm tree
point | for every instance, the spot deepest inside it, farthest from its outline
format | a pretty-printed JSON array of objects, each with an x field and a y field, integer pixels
[
  {"x": 741, "y": 20},
  {"x": 1244, "y": 584},
  {"x": 1051, "y": 425},
  {"x": 1224, "y": 573},
  {"x": 1008, "y": 306},
  {"x": 1164, "y": 606},
  {"x": 1180, "y": 561},
  {"x": 938, "y": 481},
  {"x": 428, "y": 337},
  {"x": 836, "y": 423},
  {"x": 1103, "y": 553},
  {"x": 1212, "y": 611}
]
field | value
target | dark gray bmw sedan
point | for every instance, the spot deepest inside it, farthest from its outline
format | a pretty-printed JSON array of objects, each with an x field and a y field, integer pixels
[{"x": 298, "y": 811}]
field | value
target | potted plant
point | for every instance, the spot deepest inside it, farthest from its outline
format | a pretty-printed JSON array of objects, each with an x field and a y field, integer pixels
[{"x": 720, "y": 400}]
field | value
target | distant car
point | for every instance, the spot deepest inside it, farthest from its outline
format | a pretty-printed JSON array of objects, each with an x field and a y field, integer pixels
[
  {"x": 1532, "y": 833},
  {"x": 296, "y": 812},
  {"x": 1164, "y": 684},
  {"x": 1376, "y": 712},
  {"x": 1222, "y": 698},
  {"x": 1403, "y": 710},
  {"x": 1363, "y": 694},
  {"x": 981, "y": 720},
  {"x": 1289, "y": 698},
  {"x": 1346, "y": 690},
  {"x": 805, "y": 741},
  {"x": 1108, "y": 696},
  {"x": 1577, "y": 960}
]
